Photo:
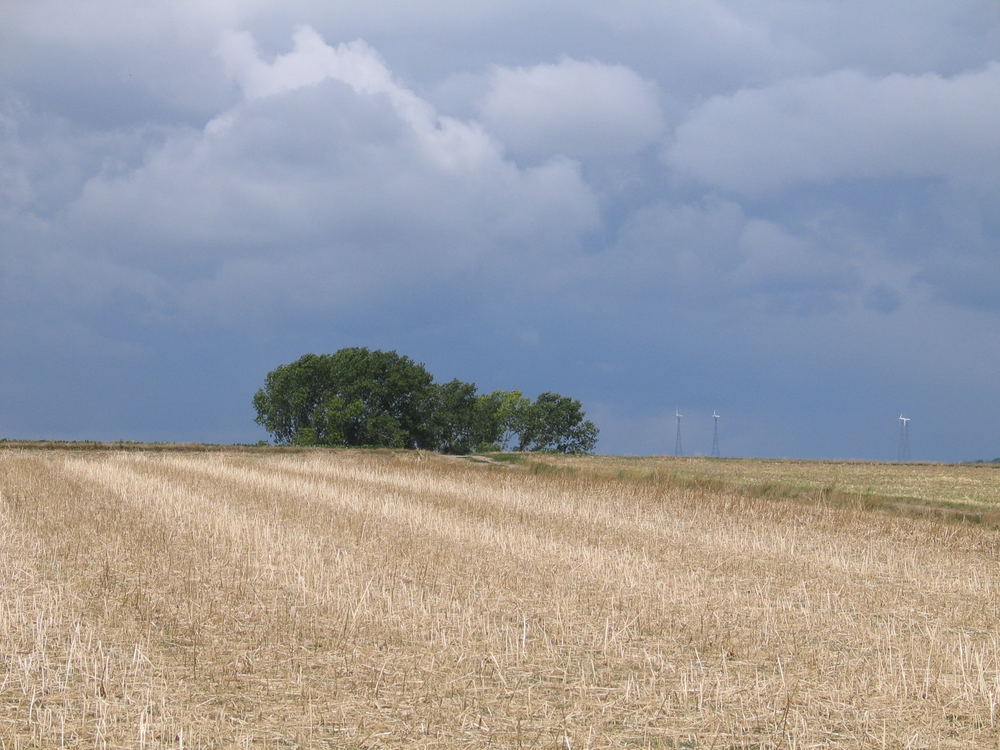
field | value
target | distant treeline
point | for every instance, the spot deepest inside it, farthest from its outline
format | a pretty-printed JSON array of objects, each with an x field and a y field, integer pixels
[{"x": 357, "y": 396}]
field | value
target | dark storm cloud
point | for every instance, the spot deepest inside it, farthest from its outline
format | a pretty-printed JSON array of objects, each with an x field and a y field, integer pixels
[{"x": 775, "y": 210}]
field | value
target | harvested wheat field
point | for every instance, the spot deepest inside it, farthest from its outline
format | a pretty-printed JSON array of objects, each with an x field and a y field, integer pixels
[{"x": 362, "y": 600}]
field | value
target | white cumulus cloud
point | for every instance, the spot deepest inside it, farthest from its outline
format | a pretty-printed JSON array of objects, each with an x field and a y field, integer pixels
[
  {"x": 576, "y": 108},
  {"x": 329, "y": 171},
  {"x": 844, "y": 125}
]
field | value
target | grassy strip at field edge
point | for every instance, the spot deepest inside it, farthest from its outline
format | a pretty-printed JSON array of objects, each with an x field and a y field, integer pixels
[{"x": 965, "y": 511}]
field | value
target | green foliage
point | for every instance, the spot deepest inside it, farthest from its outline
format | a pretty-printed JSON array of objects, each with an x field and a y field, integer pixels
[
  {"x": 506, "y": 458},
  {"x": 497, "y": 418},
  {"x": 453, "y": 418},
  {"x": 555, "y": 423},
  {"x": 352, "y": 397},
  {"x": 361, "y": 397}
]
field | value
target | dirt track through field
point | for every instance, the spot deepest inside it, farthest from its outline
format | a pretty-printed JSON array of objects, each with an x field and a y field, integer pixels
[{"x": 363, "y": 600}]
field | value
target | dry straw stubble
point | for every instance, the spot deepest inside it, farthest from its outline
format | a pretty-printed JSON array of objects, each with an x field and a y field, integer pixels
[{"x": 351, "y": 599}]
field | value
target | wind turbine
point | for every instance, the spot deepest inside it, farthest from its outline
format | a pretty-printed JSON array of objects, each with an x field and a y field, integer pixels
[
  {"x": 904, "y": 438},
  {"x": 678, "y": 448},
  {"x": 715, "y": 435}
]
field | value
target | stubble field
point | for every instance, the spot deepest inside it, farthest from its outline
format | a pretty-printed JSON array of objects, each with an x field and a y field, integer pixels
[{"x": 361, "y": 600}]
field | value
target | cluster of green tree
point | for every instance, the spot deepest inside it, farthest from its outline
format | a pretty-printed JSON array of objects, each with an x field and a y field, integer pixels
[{"x": 356, "y": 396}]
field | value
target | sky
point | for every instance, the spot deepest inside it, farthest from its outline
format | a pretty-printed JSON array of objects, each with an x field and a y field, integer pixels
[{"x": 786, "y": 212}]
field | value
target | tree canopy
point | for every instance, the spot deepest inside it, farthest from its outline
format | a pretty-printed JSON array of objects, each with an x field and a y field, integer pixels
[{"x": 357, "y": 396}]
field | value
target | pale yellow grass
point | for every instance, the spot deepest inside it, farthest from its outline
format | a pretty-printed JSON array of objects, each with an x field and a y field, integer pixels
[{"x": 347, "y": 599}]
